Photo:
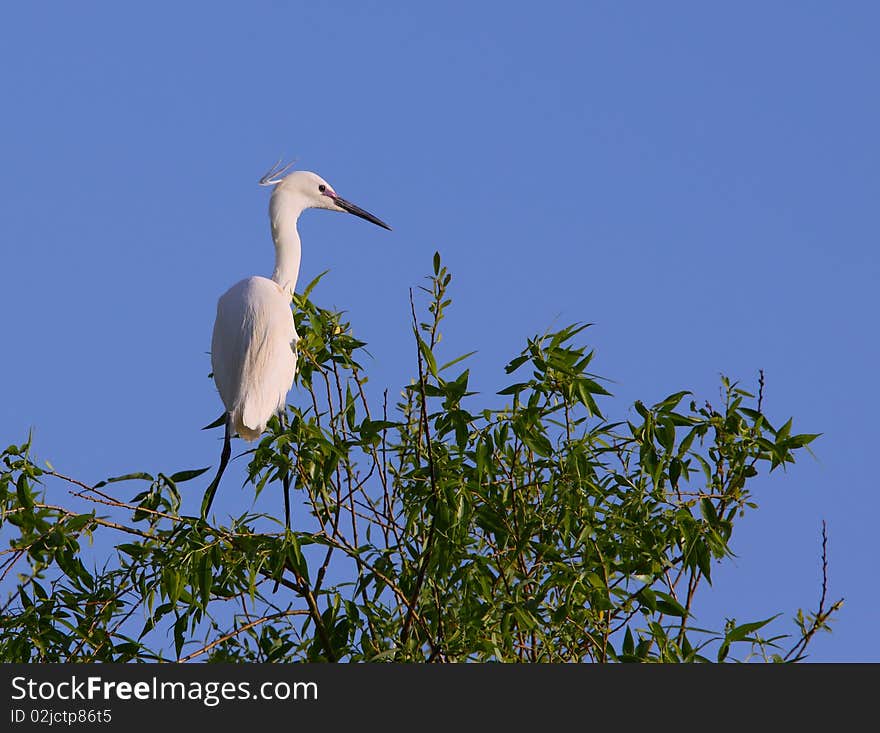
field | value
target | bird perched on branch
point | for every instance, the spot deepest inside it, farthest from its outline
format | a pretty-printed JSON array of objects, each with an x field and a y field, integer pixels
[{"x": 253, "y": 348}]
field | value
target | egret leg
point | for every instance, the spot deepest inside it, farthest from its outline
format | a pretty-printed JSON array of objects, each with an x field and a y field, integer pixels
[
  {"x": 224, "y": 459},
  {"x": 286, "y": 478},
  {"x": 286, "y": 482}
]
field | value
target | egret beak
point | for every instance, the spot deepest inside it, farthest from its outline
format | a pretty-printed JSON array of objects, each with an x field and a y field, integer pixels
[{"x": 358, "y": 211}]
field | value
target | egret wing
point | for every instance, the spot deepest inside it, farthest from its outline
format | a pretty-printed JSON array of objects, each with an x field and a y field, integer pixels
[{"x": 252, "y": 353}]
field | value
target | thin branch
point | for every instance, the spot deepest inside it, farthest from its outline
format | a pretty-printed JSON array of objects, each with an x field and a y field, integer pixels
[
  {"x": 429, "y": 543},
  {"x": 760, "y": 390},
  {"x": 239, "y": 630},
  {"x": 305, "y": 592},
  {"x": 821, "y": 615},
  {"x": 125, "y": 505}
]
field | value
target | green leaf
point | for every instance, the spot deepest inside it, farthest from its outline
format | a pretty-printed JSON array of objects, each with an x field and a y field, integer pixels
[
  {"x": 537, "y": 442},
  {"x": 648, "y": 598},
  {"x": 668, "y": 605},
  {"x": 628, "y": 643},
  {"x": 739, "y": 633},
  {"x": 671, "y": 402},
  {"x": 666, "y": 436},
  {"x": 591, "y": 387},
  {"x": 784, "y": 431},
  {"x": 23, "y": 492},
  {"x": 126, "y": 477},
  {"x": 674, "y": 472},
  {"x": 206, "y": 580},
  {"x": 703, "y": 559},
  {"x": 707, "y": 509},
  {"x": 516, "y": 363},
  {"x": 295, "y": 556},
  {"x": 74, "y": 524},
  {"x": 799, "y": 441},
  {"x": 428, "y": 355},
  {"x": 132, "y": 550},
  {"x": 311, "y": 286},
  {"x": 179, "y": 634},
  {"x": 457, "y": 360},
  {"x": 182, "y": 476}
]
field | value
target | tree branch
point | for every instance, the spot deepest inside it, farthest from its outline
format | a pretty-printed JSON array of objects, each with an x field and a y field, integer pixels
[{"x": 429, "y": 543}]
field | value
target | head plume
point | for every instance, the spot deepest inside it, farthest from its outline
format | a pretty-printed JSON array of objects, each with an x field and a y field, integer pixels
[{"x": 276, "y": 173}]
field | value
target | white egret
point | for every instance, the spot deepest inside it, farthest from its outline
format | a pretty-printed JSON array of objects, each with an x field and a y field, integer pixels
[{"x": 253, "y": 348}]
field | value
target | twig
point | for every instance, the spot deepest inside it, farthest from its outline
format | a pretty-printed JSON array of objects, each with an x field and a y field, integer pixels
[
  {"x": 134, "y": 606},
  {"x": 124, "y": 505},
  {"x": 821, "y": 615},
  {"x": 760, "y": 390},
  {"x": 67, "y": 514},
  {"x": 303, "y": 590},
  {"x": 239, "y": 630},
  {"x": 68, "y": 479}
]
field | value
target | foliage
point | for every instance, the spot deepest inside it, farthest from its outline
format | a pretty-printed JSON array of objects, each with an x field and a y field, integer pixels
[{"x": 438, "y": 530}]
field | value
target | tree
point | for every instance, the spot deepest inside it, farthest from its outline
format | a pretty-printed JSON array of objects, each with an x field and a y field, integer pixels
[{"x": 431, "y": 530}]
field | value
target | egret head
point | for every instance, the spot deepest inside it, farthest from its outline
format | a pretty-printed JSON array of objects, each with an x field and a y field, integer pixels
[{"x": 306, "y": 190}]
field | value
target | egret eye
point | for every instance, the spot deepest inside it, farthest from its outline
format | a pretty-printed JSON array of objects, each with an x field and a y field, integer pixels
[{"x": 322, "y": 188}]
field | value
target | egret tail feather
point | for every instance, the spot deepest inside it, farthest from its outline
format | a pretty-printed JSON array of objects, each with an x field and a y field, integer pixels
[{"x": 247, "y": 429}]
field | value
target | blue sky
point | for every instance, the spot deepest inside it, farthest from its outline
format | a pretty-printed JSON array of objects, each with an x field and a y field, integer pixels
[{"x": 700, "y": 182}]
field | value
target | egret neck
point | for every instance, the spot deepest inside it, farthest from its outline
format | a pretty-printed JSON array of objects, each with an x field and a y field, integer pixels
[{"x": 284, "y": 211}]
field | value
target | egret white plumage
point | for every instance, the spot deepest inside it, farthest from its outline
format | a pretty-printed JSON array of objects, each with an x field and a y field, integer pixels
[{"x": 253, "y": 347}]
